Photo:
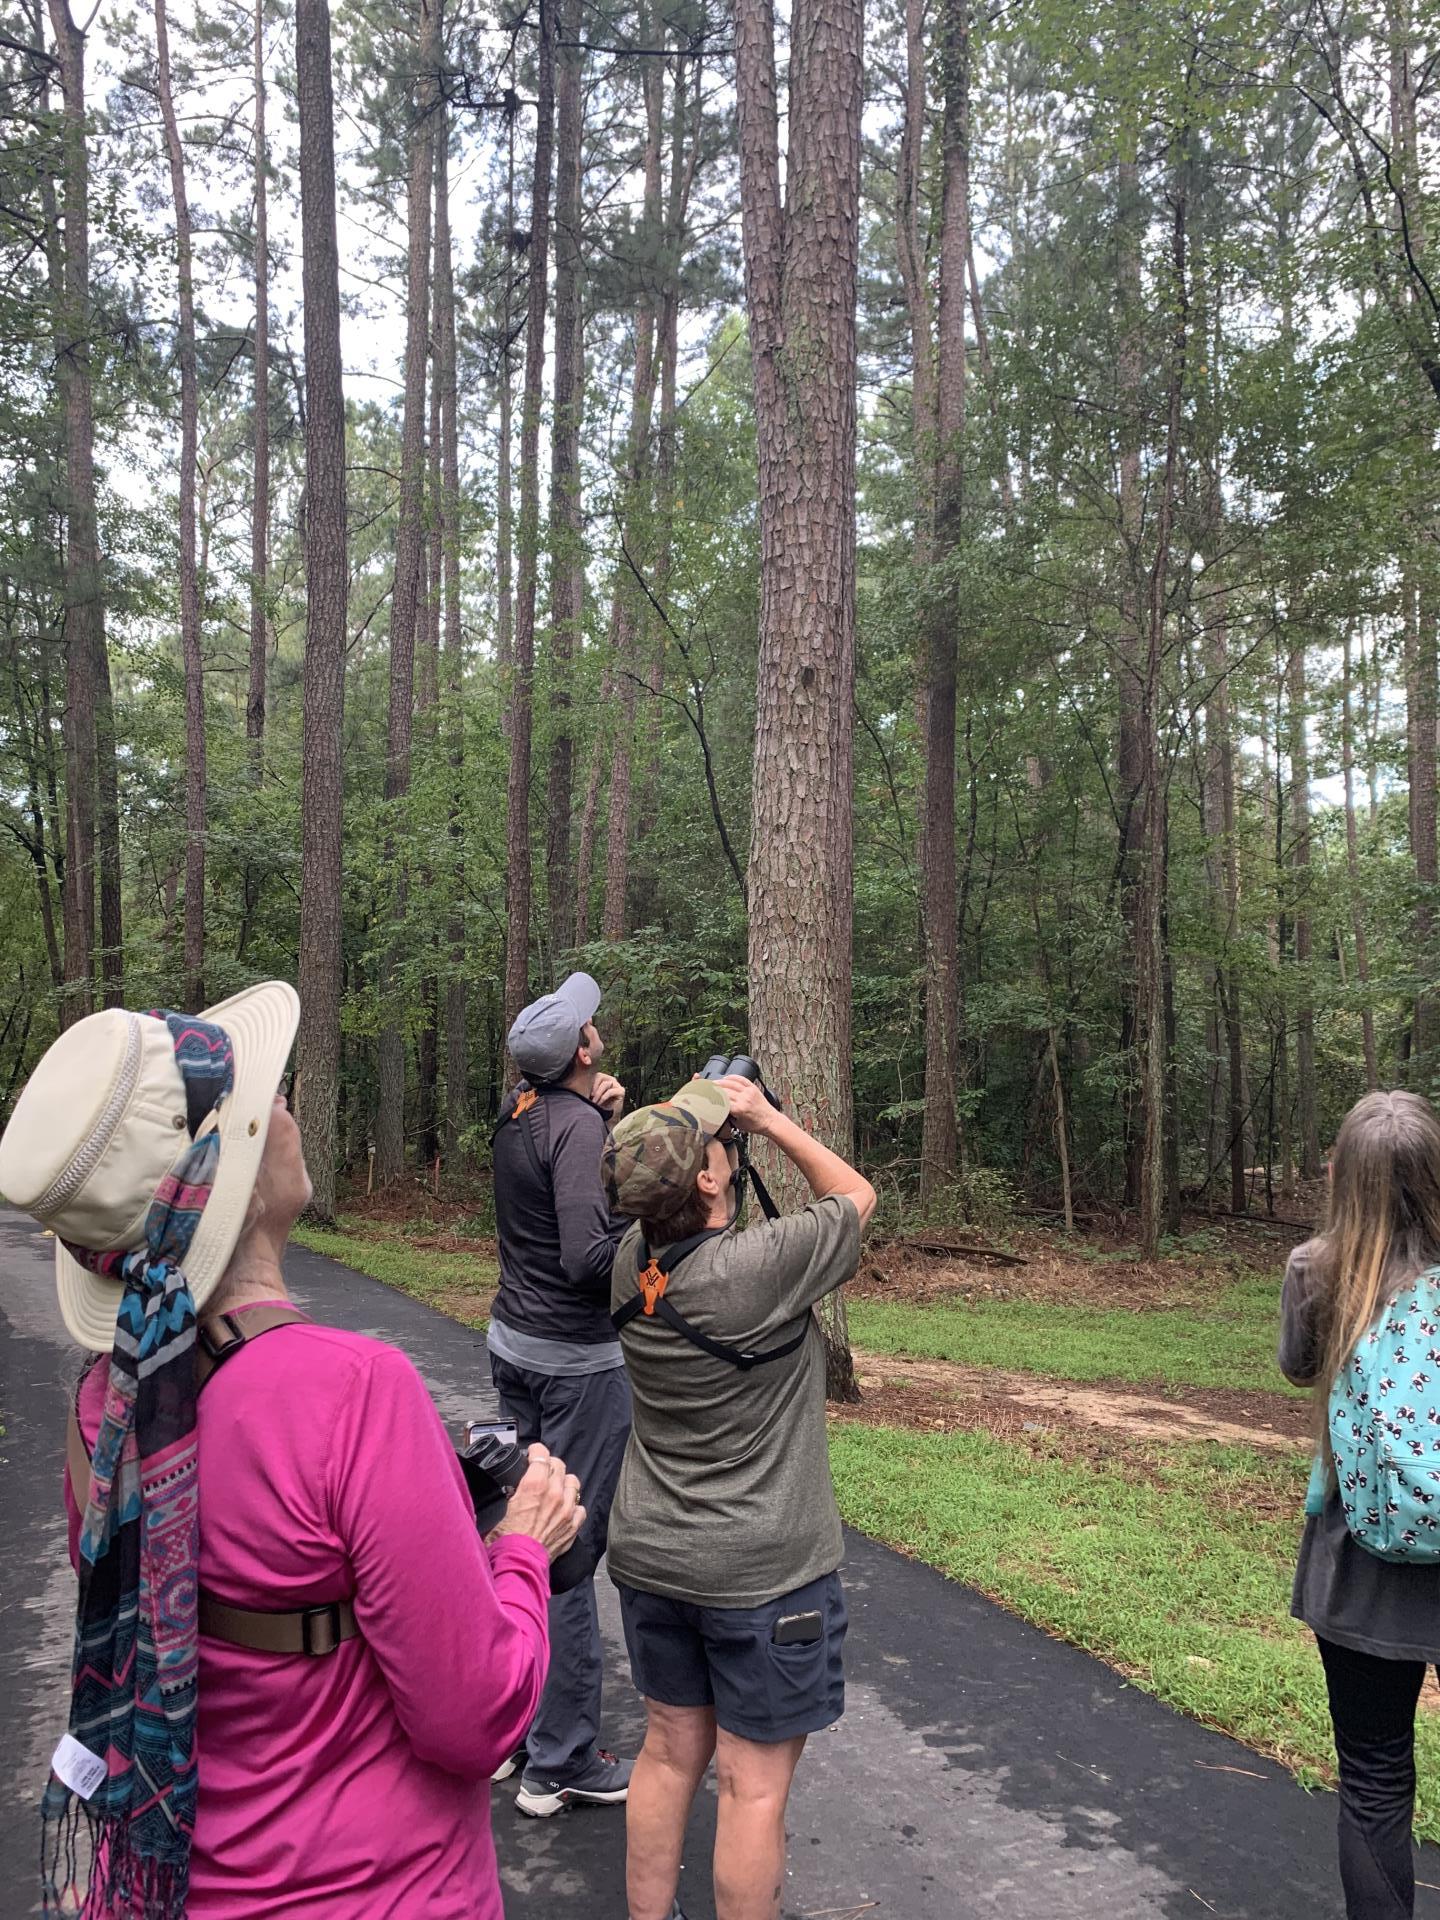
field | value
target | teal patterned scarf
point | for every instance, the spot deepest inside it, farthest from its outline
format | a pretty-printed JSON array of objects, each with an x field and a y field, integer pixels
[{"x": 133, "y": 1677}]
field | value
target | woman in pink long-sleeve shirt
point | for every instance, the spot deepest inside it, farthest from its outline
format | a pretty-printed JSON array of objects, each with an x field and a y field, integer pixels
[
  {"x": 356, "y": 1785},
  {"x": 352, "y": 1785}
]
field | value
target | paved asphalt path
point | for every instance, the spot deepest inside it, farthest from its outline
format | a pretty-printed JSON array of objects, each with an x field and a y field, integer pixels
[{"x": 981, "y": 1768}]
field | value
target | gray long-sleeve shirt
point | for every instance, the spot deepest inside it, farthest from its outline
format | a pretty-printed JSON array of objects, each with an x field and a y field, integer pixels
[{"x": 557, "y": 1236}]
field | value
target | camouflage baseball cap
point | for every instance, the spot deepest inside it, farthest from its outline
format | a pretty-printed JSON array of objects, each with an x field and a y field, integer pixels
[{"x": 654, "y": 1156}]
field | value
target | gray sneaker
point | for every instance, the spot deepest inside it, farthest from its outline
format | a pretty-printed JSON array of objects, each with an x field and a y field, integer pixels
[
  {"x": 511, "y": 1765},
  {"x": 604, "y": 1783}
]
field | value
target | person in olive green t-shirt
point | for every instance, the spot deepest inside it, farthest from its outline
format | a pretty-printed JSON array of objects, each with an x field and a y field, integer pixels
[{"x": 725, "y": 1538}]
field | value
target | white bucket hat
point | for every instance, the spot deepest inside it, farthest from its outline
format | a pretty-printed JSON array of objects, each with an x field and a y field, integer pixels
[{"x": 102, "y": 1120}]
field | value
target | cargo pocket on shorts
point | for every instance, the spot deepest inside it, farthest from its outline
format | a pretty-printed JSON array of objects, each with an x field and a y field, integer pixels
[{"x": 798, "y": 1685}]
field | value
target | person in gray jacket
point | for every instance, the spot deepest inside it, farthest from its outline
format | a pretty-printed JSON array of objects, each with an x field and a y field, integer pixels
[{"x": 554, "y": 1356}]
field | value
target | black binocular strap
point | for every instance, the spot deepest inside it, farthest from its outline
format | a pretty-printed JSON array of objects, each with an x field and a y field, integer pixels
[
  {"x": 661, "y": 1308},
  {"x": 762, "y": 1192}
]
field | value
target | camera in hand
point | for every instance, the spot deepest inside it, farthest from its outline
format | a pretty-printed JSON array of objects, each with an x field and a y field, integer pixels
[
  {"x": 740, "y": 1064},
  {"x": 493, "y": 1468}
]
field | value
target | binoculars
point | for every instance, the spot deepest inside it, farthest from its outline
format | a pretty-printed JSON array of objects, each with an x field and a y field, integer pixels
[{"x": 718, "y": 1065}]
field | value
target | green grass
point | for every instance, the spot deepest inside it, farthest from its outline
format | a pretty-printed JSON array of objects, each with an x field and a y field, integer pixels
[
  {"x": 1231, "y": 1344},
  {"x": 460, "y": 1284},
  {"x": 1181, "y": 1579}
]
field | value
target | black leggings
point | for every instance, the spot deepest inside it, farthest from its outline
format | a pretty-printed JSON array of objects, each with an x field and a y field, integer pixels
[{"x": 1372, "y": 1703}]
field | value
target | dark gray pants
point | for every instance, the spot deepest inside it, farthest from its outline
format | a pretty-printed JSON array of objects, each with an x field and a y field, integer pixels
[
  {"x": 1372, "y": 1705},
  {"x": 585, "y": 1419}
]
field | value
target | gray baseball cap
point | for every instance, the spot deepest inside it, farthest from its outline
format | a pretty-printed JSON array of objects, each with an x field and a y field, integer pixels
[{"x": 543, "y": 1040}]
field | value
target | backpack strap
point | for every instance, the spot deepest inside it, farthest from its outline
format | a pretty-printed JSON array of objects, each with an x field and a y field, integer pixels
[
  {"x": 649, "y": 1300},
  {"x": 526, "y": 1111},
  {"x": 314, "y": 1631}
]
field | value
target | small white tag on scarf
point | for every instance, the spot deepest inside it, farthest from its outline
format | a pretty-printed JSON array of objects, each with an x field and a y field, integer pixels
[{"x": 82, "y": 1771}]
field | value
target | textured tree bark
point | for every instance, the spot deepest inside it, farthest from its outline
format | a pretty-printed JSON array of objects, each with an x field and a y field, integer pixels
[
  {"x": 407, "y": 603},
  {"x": 914, "y": 256},
  {"x": 326, "y": 585},
  {"x": 1225, "y": 870},
  {"x": 800, "y": 277},
  {"x": 260, "y": 484},
  {"x": 427, "y": 717},
  {"x": 107, "y": 794},
  {"x": 1272, "y": 813},
  {"x": 1404, "y": 171},
  {"x": 1421, "y": 702},
  {"x": 940, "y": 1141},
  {"x": 517, "y": 792},
  {"x": 457, "y": 1052},
  {"x": 1154, "y": 1015},
  {"x": 589, "y": 814},
  {"x": 1352, "y": 868},
  {"x": 84, "y": 606},
  {"x": 190, "y": 637},
  {"x": 1306, "y": 1118},
  {"x": 567, "y": 527},
  {"x": 260, "y": 474},
  {"x": 504, "y": 491},
  {"x": 627, "y": 621},
  {"x": 1130, "y": 680},
  {"x": 686, "y": 140}
]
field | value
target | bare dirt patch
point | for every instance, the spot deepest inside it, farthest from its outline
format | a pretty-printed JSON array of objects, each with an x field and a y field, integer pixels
[
  {"x": 1095, "y": 1269},
  {"x": 410, "y": 1215},
  {"x": 945, "y": 1396}
]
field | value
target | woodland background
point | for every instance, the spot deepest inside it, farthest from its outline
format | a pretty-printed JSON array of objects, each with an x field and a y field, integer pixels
[{"x": 907, "y": 543}]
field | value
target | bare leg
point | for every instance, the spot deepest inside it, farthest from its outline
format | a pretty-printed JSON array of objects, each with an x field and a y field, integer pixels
[
  {"x": 754, "y": 1782},
  {"x": 678, "y": 1744}
]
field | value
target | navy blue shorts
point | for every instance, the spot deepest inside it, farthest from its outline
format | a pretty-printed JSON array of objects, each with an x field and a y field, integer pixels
[{"x": 725, "y": 1657}]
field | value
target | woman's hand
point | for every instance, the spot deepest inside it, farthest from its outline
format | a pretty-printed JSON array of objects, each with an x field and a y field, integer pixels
[
  {"x": 749, "y": 1108},
  {"x": 545, "y": 1505}
]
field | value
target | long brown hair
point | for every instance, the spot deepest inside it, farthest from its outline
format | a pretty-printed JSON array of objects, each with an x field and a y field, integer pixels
[{"x": 1383, "y": 1224}]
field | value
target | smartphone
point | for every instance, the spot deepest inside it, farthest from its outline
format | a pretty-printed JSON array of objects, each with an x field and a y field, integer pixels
[
  {"x": 502, "y": 1430},
  {"x": 797, "y": 1630}
]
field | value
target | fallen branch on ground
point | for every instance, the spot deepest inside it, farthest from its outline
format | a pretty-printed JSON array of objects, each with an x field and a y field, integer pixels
[{"x": 948, "y": 1250}]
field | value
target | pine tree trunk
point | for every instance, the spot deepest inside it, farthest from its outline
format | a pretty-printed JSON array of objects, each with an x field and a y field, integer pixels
[
  {"x": 326, "y": 585},
  {"x": 1421, "y": 703},
  {"x": 800, "y": 274},
  {"x": 1306, "y": 1116},
  {"x": 1154, "y": 1015},
  {"x": 1225, "y": 871},
  {"x": 940, "y": 1138},
  {"x": 589, "y": 814},
  {"x": 504, "y": 496},
  {"x": 260, "y": 485},
  {"x": 1272, "y": 808},
  {"x": 84, "y": 604},
  {"x": 407, "y": 605},
  {"x": 627, "y": 619},
  {"x": 190, "y": 636},
  {"x": 427, "y": 716},
  {"x": 567, "y": 527},
  {"x": 1352, "y": 868},
  {"x": 517, "y": 793},
  {"x": 457, "y": 1060},
  {"x": 688, "y": 85},
  {"x": 1130, "y": 679},
  {"x": 107, "y": 794},
  {"x": 915, "y": 278}
]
